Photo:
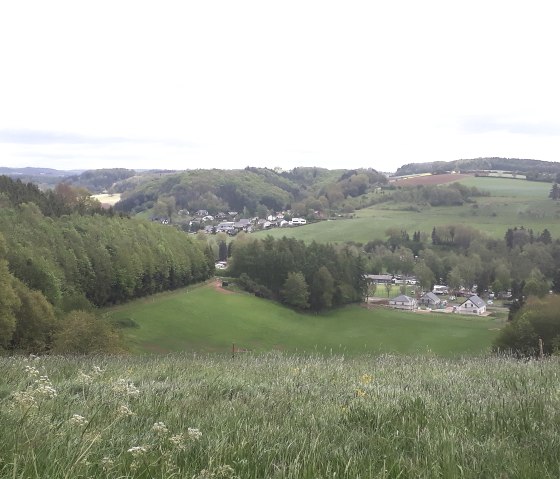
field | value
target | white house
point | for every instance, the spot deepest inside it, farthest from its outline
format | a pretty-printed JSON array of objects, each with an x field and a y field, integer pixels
[
  {"x": 473, "y": 305},
  {"x": 403, "y": 302}
]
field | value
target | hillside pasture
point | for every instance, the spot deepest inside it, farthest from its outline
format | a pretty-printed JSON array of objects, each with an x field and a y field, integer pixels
[
  {"x": 205, "y": 319},
  {"x": 513, "y": 202}
]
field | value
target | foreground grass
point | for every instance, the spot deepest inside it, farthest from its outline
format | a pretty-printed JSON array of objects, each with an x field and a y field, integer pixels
[
  {"x": 207, "y": 320},
  {"x": 278, "y": 416}
]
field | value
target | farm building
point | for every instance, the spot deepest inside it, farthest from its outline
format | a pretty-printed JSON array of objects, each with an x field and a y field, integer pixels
[
  {"x": 403, "y": 302},
  {"x": 430, "y": 300},
  {"x": 473, "y": 305},
  {"x": 379, "y": 278}
]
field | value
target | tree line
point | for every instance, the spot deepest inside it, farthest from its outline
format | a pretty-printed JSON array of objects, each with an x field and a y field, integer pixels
[{"x": 305, "y": 276}]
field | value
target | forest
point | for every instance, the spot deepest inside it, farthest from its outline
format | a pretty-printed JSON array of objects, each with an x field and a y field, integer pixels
[
  {"x": 248, "y": 190},
  {"x": 62, "y": 257},
  {"x": 314, "y": 276}
]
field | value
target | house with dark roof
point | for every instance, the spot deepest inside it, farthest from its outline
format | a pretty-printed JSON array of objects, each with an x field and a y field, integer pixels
[
  {"x": 403, "y": 302},
  {"x": 472, "y": 305},
  {"x": 379, "y": 278},
  {"x": 430, "y": 300}
]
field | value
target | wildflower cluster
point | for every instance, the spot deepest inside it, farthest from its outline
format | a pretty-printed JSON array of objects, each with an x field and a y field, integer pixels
[
  {"x": 126, "y": 387},
  {"x": 138, "y": 451},
  {"x": 44, "y": 387},
  {"x": 95, "y": 372},
  {"x": 219, "y": 472},
  {"x": 194, "y": 434},
  {"x": 160, "y": 428},
  {"x": 125, "y": 411},
  {"x": 77, "y": 420}
]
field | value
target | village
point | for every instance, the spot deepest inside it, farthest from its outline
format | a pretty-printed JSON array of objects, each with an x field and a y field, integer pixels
[{"x": 439, "y": 299}]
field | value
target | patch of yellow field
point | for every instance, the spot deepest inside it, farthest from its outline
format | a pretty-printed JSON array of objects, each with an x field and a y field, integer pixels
[{"x": 108, "y": 199}]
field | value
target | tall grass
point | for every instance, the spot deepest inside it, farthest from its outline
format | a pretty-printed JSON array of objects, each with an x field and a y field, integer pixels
[{"x": 276, "y": 416}]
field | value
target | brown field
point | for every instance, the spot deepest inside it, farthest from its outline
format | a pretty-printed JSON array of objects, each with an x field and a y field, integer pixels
[{"x": 430, "y": 179}]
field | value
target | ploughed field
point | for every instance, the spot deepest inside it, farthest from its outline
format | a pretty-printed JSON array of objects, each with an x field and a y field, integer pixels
[{"x": 279, "y": 416}]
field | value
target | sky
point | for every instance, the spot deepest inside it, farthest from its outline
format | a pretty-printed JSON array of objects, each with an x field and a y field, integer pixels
[{"x": 229, "y": 84}]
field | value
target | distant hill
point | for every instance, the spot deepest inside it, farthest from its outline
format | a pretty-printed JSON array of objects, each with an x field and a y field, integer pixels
[
  {"x": 250, "y": 189},
  {"x": 42, "y": 177},
  {"x": 533, "y": 169}
]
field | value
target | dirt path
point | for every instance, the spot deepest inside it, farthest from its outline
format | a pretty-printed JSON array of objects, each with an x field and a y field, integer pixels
[{"x": 217, "y": 285}]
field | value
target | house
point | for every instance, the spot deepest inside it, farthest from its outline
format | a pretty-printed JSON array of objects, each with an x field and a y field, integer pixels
[
  {"x": 202, "y": 213},
  {"x": 473, "y": 305},
  {"x": 430, "y": 300},
  {"x": 379, "y": 278},
  {"x": 403, "y": 302},
  {"x": 243, "y": 224}
]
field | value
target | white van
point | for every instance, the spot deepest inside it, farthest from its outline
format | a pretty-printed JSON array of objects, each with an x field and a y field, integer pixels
[
  {"x": 298, "y": 221},
  {"x": 440, "y": 289}
]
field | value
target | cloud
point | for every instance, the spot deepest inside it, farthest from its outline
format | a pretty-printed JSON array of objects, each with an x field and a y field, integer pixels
[
  {"x": 485, "y": 124},
  {"x": 43, "y": 137}
]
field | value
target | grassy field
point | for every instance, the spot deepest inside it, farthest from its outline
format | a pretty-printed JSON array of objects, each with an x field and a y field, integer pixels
[
  {"x": 279, "y": 416},
  {"x": 206, "y": 319},
  {"x": 513, "y": 203}
]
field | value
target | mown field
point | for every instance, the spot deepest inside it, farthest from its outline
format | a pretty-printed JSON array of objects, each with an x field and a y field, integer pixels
[
  {"x": 279, "y": 416},
  {"x": 513, "y": 202},
  {"x": 208, "y": 319}
]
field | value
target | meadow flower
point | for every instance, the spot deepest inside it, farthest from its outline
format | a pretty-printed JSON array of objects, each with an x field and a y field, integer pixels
[
  {"x": 126, "y": 387},
  {"x": 85, "y": 378},
  {"x": 194, "y": 433},
  {"x": 78, "y": 420},
  {"x": 360, "y": 393},
  {"x": 137, "y": 451},
  {"x": 24, "y": 399},
  {"x": 160, "y": 428},
  {"x": 43, "y": 387},
  {"x": 366, "y": 379},
  {"x": 107, "y": 463},
  {"x": 178, "y": 440},
  {"x": 32, "y": 371},
  {"x": 125, "y": 411}
]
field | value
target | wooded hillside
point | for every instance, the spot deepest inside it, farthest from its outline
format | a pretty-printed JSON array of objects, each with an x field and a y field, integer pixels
[{"x": 82, "y": 259}]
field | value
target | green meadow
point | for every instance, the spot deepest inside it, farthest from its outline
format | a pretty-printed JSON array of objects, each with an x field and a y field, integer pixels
[
  {"x": 513, "y": 202},
  {"x": 206, "y": 320}
]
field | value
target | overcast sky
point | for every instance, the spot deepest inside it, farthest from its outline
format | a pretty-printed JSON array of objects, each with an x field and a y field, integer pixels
[{"x": 198, "y": 84}]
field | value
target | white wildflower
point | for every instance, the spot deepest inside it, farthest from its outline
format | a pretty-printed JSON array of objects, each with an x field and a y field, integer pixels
[
  {"x": 194, "y": 433},
  {"x": 43, "y": 387},
  {"x": 125, "y": 411},
  {"x": 160, "y": 428},
  {"x": 96, "y": 371},
  {"x": 107, "y": 463},
  {"x": 24, "y": 399},
  {"x": 32, "y": 371},
  {"x": 137, "y": 451},
  {"x": 178, "y": 440},
  {"x": 126, "y": 387},
  {"x": 85, "y": 378},
  {"x": 78, "y": 420}
]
